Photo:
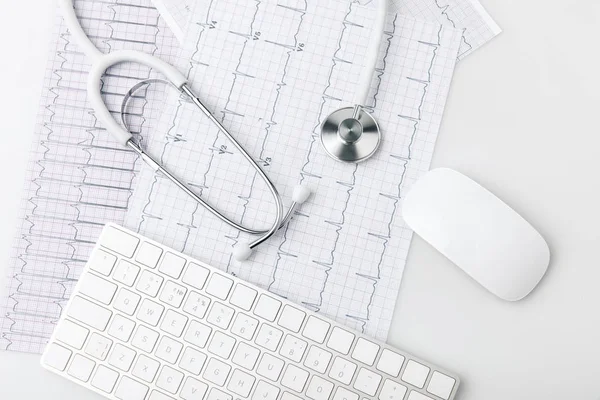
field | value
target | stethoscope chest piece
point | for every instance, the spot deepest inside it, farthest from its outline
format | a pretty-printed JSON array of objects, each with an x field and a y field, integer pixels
[{"x": 350, "y": 135}]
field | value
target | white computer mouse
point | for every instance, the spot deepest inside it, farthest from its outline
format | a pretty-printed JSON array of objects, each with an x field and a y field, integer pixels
[{"x": 477, "y": 232}]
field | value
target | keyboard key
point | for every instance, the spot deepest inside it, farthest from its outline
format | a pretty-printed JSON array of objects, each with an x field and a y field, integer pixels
[
  {"x": 168, "y": 349},
  {"x": 265, "y": 391},
  {"x": 128, "y": 389},
  {"x": 150, "y": 312},
  {"x": 415, "y": 374},
  {"x": 270, "y": 367},
  {"x": 317, "y": 359},
  {"x": 192, "y": 361},
  {"x": 118, "y": 241},
  {"x": 81, "y": 368},
  {"x": 367, "y": 381},
  {"x": 340, "y": 340},
  {"x": 126, "y": 301},
  {"x": 145, "y": 368},
  {"x": 173, "y": 294},
  {"x": 319, "y": 389},
  {"x": 220, "y": 315},
  {"x": 216, "y": 372},
  {"x": 245, "y": 356},
  {"x": 365, "y": 351},
  {"x": 156, "y": 395},
  {"x": 98, "y": 346},
  {"x": 291, "y": 318},
  {"x": 197, "y": 334},
  {"x": 267, "y": 307},
  {"x": 97, "y": 288},
  {"x": 342, "y": 370},
  {"x": 241, "y": 383},
  {"x": 105, "y": 379},
  {"x": 221, "y": 345},
  {"x": 172, "y": 265},
  {"x": 169, "y": 379},
  {"x": 173, "y": 323},
  {"x": 121, "y": 328},
  {"x": 268, "y": 337},
  {"x": 216, "y": 394},
  {"x": 148, "y": 255},
  {"x": 316, "y": 329},
  {"x": 195, "y": 275},
  {"x": 126, "y": 273},
  {"x": 294, "y": 378},
  {"x": 243, "y": 297},
  {"x": 441, "y": 385},
  {"x": 219, "y": 286},
  {"x": 418, "y": 396},
  {"x": 390, "y": 362},
  {"x": 196, "y": 305},
  {"x": 57, "y": 356},
  {"x": 193, "y": 389},
  {"x": 392, "y": 391},
  {"x": 344, "y": 394},
  {"x": 244, "y": 326},
  {"x": 121, "y": 357},
  {"x": 72, "y": 334},
  {"x": 89, "y": 313},
  {"x": 289, "y": 396},
  {"x": 149, "y": 283},
  {"x": 102, "y": 262},
  {"x": 144, "y": 339},
  {"x": 293, "y": 348}
]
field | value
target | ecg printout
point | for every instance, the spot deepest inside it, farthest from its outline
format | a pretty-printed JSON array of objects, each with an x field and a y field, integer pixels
[
  {"x": 78, "y": 177},
  {"x": 271, "y": 72},
  {"x": 479, "y": 27}
]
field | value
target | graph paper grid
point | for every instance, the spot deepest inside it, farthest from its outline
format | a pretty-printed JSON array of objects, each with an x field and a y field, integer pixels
[
  {"x": 271, "y": 72},
  {"x": 78, "y": 176}
]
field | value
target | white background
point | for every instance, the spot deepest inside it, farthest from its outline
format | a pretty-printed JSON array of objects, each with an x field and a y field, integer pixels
[{"x": 522, "y": 120}]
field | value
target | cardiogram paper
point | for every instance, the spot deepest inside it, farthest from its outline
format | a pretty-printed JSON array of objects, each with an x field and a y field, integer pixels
[
  {"x": 271, "y": 72},
  {"x": 79, "y": 177},
  {"x": 469, "y": 15}
]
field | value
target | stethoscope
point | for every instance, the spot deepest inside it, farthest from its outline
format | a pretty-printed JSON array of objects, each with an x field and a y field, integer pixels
[{"x": 349, "y": 134}]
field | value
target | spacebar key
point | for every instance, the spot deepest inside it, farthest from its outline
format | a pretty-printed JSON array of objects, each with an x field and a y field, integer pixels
[{"x": 89, "y": 313}]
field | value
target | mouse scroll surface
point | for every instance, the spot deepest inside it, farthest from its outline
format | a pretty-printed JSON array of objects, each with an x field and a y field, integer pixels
[{"x": 477, "y": 232}]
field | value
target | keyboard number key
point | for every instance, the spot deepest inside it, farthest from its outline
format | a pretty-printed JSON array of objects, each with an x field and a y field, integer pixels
[
  {"x": 342, "y": 370},
  {"x": 243, "y": 297},
  {"x": 196, "y": 305},
  {"x": 220, "y": 315},
  {"x": 293, "y": 348},
  {"x": 149, "y": 283},
  {"x": 173, "y": 294},
  {"x": 244, "y": 326},
  {"x": 415, "y": 374},
  {"x": 126, "y": 273},
  {"x": 268, "y": 337},
  {"x": 317, "y": 359},
  {"x": 340, "y": 340}
]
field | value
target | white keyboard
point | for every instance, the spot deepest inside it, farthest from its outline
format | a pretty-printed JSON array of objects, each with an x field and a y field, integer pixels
[{"x": 147, "y": 322}]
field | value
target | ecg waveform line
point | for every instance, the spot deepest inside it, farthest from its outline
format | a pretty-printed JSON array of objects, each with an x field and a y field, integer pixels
[{"x": 79, "y": 177}]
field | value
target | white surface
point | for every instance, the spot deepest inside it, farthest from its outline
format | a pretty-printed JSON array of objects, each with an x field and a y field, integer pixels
[
  {"x": 478, "y": 232},
  {"x": 522, "y": 121}
]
